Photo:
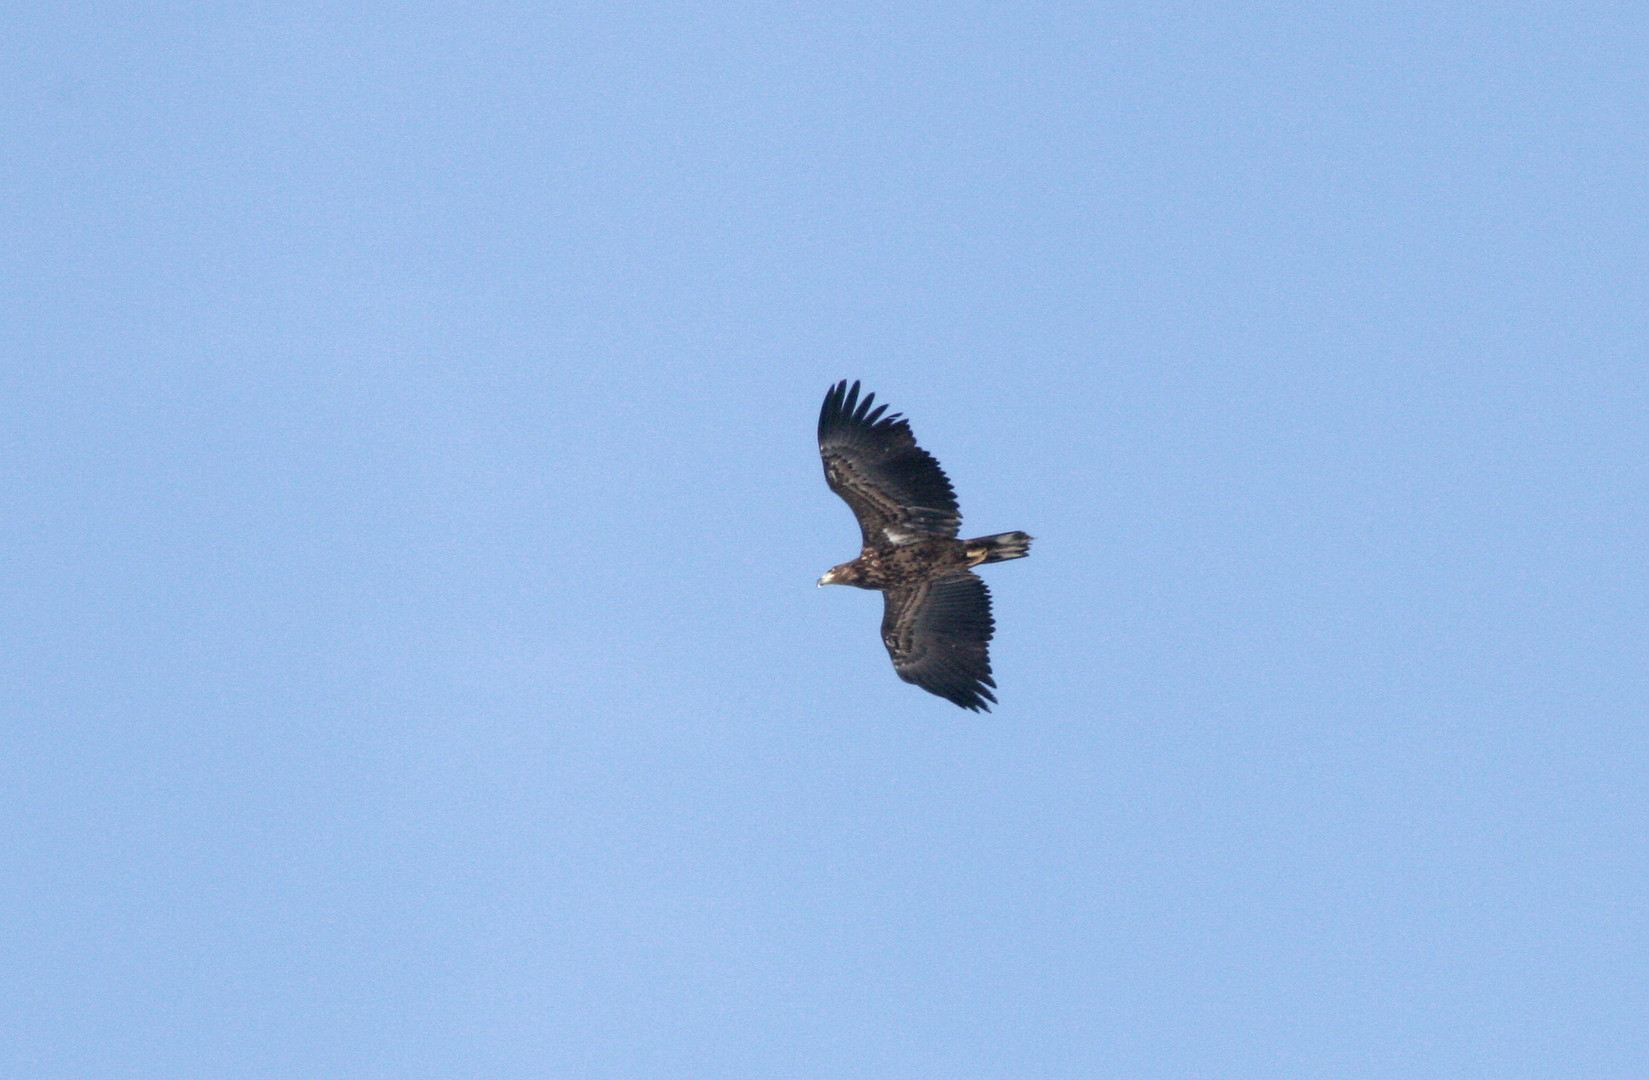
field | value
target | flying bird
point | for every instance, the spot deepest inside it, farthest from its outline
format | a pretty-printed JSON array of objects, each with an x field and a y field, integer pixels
[{"x": 936, "y": 617}]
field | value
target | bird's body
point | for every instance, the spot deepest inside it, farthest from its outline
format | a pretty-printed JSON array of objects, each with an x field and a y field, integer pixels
[
  {"x": 890, "y": 566},
  {"x": 936, "y": 619}
]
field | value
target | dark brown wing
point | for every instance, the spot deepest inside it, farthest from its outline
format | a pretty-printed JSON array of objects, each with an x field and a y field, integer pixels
[
  {"x": 896, "y": 489},
  {"x": 937, "y": 633}
]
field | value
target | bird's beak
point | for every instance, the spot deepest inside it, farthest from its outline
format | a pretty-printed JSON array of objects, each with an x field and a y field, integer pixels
[{"x": 828, "y": 579}]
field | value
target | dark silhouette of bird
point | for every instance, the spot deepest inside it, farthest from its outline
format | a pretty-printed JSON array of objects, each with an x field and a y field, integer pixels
[{"x": 936, "y": 619}]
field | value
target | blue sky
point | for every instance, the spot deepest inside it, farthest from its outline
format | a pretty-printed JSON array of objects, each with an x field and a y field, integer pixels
[{"x": 410, "y": 519}]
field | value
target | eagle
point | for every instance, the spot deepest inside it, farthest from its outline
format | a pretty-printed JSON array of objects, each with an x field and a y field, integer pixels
[{"x": 936, "y": 616}]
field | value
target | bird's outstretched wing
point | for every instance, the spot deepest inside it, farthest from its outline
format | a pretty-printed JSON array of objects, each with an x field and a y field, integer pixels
[
  {"x": 896, "y": 489},
  {"x": 938, "y": 633}
]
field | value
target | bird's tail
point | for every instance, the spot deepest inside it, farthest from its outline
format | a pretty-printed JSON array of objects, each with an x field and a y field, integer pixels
[{"x": 999, "y": 548}]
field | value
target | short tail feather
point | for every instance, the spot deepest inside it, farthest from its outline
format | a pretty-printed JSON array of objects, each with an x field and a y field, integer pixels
[{"x": 1001, "y": 547}]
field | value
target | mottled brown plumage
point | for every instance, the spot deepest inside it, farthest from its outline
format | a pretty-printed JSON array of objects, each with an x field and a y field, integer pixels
[{"x": 936, "y": 620}]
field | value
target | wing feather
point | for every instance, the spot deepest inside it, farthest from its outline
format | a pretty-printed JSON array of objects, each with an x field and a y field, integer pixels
[
  {"x": 938, "y": 634},
  {"x": 895, "y": 488}
]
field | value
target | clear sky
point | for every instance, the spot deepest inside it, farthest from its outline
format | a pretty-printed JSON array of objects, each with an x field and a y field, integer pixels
[{"x": 409, "y": 519}]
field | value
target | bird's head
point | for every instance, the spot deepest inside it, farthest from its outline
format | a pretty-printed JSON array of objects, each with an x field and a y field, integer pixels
[{"x": 845, "y": 574}]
